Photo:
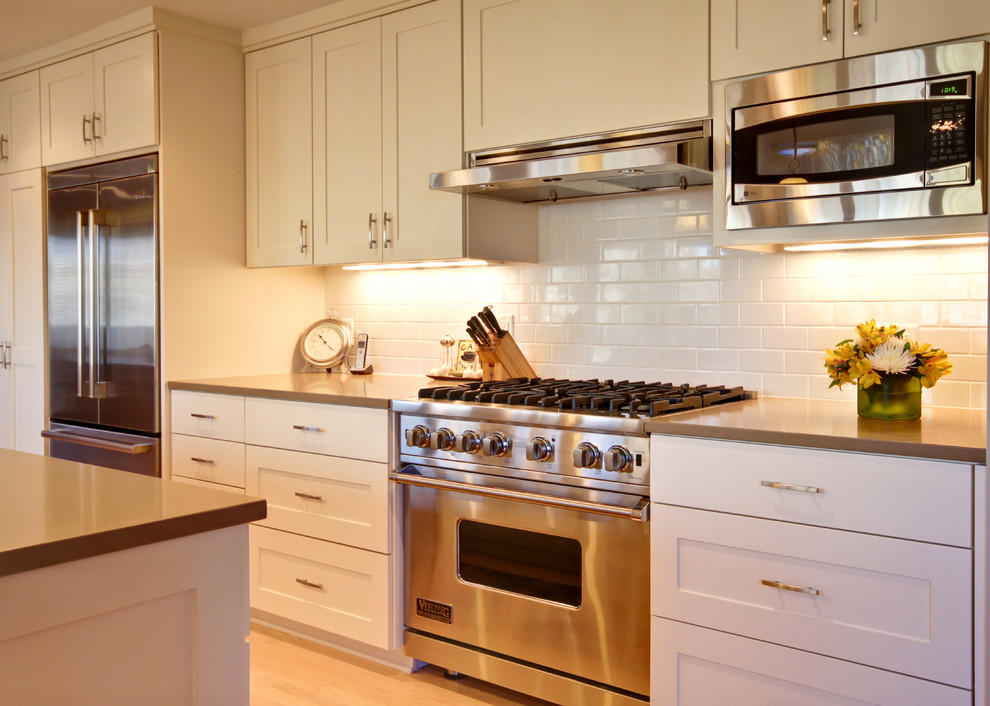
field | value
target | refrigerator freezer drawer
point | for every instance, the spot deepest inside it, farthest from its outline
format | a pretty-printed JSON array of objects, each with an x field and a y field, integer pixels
[{"x": 125, "y": 452}]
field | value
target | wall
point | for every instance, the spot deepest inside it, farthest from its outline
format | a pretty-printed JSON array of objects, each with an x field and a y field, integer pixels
[{"x": 632, "y": 287}]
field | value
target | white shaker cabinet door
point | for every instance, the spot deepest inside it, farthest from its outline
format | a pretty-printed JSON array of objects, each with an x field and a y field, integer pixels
[
  {"x": 421, "y": 120},
  {"x": 126, "y": 95},
  {"x": 20, "y": 123},
  {"x": 543, "y": 69},
  {"x": 67, "y": 110},
  {"x": 882, "y": 25},
  {"x": 347, "y": 154},
  {"x": 279, "y": 155}
]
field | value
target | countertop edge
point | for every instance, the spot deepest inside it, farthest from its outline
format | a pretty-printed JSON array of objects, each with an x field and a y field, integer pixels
[
  {"x": 960, "y": 454},
  {"x": 291, "y": 395},
  {"x": 29, "y": 558}
]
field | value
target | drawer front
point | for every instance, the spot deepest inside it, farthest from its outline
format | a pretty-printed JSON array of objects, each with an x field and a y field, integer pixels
[
  {"x": 930, "y": 501},
  {"x": 889, "y": 603},
  {"x": 206, "y": 414},
  {"x": 204, "y": 484},
  {"x": 692, "y": 666},
  {"x": 338, "y": 499},
  {"x": 327, "y": 586},
  {"x": 338, "y": 430},
  {"x": 208, "y": 459}
]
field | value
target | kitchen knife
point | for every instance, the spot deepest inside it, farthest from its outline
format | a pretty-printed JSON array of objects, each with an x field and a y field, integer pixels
[
  {"x": 475, "y": 325},
  {"x": 488, "y": 316},
  {"x": 474, "y": 337}
]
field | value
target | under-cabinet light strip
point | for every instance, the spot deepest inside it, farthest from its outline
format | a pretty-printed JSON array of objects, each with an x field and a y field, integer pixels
[
  {"x": 885, "y": 244},
  {"x": 417, "y": 265}
]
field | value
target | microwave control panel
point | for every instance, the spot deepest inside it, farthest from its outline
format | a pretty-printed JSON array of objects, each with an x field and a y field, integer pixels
[{"x": 951, "y": 121}]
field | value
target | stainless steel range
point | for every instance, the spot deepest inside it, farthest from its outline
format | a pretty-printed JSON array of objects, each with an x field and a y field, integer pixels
[{"x": 526, "y": 537}]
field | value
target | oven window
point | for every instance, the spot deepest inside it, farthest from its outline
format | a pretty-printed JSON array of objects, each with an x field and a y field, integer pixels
[
  {"x": 533, "y": 564},
  {"x": 850, "y": 145}
]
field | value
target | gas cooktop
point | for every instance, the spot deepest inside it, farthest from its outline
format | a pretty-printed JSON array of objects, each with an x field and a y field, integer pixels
[{"x": 636, "y": 400}]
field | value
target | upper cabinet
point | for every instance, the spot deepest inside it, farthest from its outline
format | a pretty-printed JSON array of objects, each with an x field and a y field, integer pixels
[
  {"x": 386, "y": 113},
  {"x": 539, "y": 69},
  {"x": 20, "y": 123},
  {"x": 100, "y": 103},
  {"x": 756, "y": 36},
  {"x": 279, "y": 95}
]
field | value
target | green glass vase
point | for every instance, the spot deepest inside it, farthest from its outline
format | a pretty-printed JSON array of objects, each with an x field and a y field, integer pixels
[{"x": 894, "y": 397}]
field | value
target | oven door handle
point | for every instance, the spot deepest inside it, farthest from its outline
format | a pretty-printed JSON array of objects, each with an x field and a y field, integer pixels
[{"x": 639, "y": 512}]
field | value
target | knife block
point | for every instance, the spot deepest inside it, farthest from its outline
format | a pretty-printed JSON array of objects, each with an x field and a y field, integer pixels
[{"x": 505, "y": 361}]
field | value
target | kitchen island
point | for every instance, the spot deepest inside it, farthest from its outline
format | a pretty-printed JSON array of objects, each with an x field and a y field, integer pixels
[{"x": 120, "y": 588}]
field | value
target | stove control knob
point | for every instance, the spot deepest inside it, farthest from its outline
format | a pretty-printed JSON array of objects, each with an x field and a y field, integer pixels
[
  {"x": 496, "y": 444},
  {"x": 586, "y": 455},
  {"x": 539, "y": 449},
  {"x": 442, "y": 440},
  {"x": 468, "y": 442},
  {"x": 618, "y": 458},
  {"x": 418, "y": 437}
]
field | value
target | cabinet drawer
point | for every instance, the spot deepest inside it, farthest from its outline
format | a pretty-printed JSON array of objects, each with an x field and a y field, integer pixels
[
  {"x": 208, "y": 459},
  {"x": 918, "y": 499},
  {"x": 206, "y": 414},
  {"x": 889, "y": 603},
  {"x": 338, "y": 499},
  {"x": 692, "y": 666},
  {"x": 328, "y": 586},
  {"x": 204, "y": 484},
  {"x": 338, "y": 430}
]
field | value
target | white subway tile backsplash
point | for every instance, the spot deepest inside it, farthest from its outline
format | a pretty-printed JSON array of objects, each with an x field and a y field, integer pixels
[{"x": 633, "y": 287}]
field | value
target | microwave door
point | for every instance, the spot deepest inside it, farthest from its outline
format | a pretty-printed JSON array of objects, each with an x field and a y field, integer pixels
[
  {"x": 70, "y": 271},
  {"x": 127, "y": 350}
]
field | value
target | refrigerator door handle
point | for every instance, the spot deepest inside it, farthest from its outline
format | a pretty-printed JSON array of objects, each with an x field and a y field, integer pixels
[
  {"x": 80, "y": 303},
  {"x": 139, "y": 448},
  {"x": 97, "y": 388}
]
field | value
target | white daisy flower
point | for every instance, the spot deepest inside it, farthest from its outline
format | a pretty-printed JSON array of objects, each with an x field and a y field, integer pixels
[{"x": 891, "y": 356}]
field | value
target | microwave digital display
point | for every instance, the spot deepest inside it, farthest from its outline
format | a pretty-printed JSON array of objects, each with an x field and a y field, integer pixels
[{"x": 955, "y": 87}]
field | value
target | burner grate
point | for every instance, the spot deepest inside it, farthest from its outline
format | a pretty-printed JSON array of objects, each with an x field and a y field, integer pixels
[{"x": 601, "y": 397}]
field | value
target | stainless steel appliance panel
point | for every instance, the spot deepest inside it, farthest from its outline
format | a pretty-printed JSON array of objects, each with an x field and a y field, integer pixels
[
  {"x": 125, "y": 452},
  {"x": 565, "y": 589}
]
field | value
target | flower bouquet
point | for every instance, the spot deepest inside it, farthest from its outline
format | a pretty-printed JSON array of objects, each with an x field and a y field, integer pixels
[{"x": 888, "y": 368}]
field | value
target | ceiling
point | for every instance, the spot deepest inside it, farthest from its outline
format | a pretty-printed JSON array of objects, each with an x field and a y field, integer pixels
[{"x": 31, "y": 24}]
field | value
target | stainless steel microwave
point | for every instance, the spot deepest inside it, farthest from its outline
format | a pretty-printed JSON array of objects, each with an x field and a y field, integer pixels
[{"x": 890, "y": 136}]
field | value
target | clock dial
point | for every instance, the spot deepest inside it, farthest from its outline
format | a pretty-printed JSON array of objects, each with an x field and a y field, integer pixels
[{"x": 325, "y": 343}]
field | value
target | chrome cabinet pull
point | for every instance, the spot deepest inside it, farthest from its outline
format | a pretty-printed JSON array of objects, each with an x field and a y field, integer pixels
[
  {"x": 302, "y": 236},
  {"x": 3, "y": 152},
  {"x": 197, "y": 459},
  {"x": 788, "y": 486},
  {"x": 310, "y": 584},
  {"x": 789, "y": 587},
  {"x": 371, "y": 233},
  {"x": 825, "y": 20},
  {"x": 302, "y": 428},
  {"x": 385, "y": 221},
  {"x": 5, "y": 358},
  {"x": 85, "y": 122},
  {"x": 96, "y": 136},
  {"x": 857, "y": 25},
  {"x": 307, "y": 496},
  {"x": 201, "y": 416}
]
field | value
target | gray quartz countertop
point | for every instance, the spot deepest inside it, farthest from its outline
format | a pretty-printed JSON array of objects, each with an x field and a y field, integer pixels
[
  {"x": 374, "y": 390},
  {"x": 54, "y": 511},
  {"x": 942, "y": 433}
]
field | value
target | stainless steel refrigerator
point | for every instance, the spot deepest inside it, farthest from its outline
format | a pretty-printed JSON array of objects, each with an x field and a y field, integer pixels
[{"x": 103, "y": 347}]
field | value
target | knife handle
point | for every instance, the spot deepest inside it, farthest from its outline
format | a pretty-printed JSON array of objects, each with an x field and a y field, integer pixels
[{"x": 488, "y": 316}]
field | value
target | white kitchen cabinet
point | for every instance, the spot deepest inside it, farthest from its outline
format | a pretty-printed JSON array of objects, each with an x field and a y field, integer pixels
[
  {"x": 100, "y": 103},
  {"x": 22, "y": 320},
  {"x": 693, "y": 666},
  {"x": 544, "y": 69},
  {"x": 387, "y": 113},
  {"x": 279, "y": 145},
  {"x": 755, "y": 36},
  {"x": 811, "y": 576},
  {"x": 20, "y": 123},
  {"x": 322, "y": 557}
]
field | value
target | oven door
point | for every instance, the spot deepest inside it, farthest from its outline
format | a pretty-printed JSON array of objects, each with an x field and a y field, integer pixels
[
  {"x": 554, "y": 576},
  {"x": 904, "y": 136}
]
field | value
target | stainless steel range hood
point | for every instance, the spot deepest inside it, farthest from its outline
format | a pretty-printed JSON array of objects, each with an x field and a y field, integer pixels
[{"x": 660, "y": 157}]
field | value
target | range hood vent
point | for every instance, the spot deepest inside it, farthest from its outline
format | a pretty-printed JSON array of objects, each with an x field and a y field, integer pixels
[{"x": 660, "y": 157}]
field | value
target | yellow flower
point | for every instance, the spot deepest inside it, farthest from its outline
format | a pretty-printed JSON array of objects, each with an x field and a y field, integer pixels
[{"x": 848, "y": 361}]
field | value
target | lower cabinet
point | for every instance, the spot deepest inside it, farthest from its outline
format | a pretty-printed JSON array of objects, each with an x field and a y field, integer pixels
[{"x": 695, "y": 666}]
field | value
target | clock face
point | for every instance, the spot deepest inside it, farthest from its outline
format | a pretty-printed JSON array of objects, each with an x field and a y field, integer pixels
[{"x": 325, "y": 343}]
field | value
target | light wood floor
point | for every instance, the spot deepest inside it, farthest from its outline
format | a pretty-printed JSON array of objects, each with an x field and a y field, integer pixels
[{"x": 289, "y": 671}]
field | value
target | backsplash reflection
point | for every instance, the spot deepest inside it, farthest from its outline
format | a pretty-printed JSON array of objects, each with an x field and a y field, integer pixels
[{"x": 632, "y": 287}]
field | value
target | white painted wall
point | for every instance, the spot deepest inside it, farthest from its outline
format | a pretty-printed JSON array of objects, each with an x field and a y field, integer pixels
[{"x": 632, "y": 287}]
